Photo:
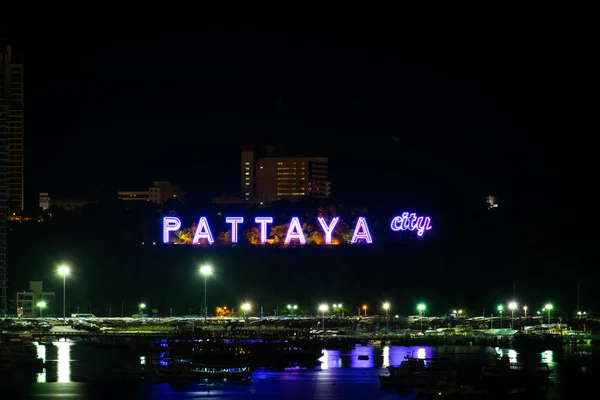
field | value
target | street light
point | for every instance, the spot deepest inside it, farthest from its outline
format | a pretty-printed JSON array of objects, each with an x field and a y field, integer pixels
[
  {"x": 386, "y": 307},
  {"x": 548, "y": 307},
  {"x": 41, "y": 305},
  {"x": 64, "y": 271},
  {"x": 364, "y": 307},
  {"x": 421, "y": 307},
  {"x": 141, "y": 308},
  {"x": 206, "y": 270},
  {"x": 245, "y": 308},
  {"x": 323, "y": 308},
  {"x": 292, "y": 308},
  {"x": 500, "y": 309},
  {"x": 512, "y": 306},
  {"x": 525, "y": 311}
]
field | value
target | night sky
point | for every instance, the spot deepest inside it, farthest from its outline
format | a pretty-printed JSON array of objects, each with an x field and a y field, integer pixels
[{"x": 439, "y": 111}]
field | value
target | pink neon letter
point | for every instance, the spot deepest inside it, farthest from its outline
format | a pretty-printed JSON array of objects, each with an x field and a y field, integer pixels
[
  {"x": 263, "y": 221},
  {"x": 328, "y": 229},
  {"x": 234, "y": 221},
  {"x": 203, "y": 232},
  {"x": 361, "y": 231},
  {"x": 295, "y": 231},
  {"x": 170, "y": 224}
]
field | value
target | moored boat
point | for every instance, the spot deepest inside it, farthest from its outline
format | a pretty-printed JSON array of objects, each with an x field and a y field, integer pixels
[{"x": 201, "y": 371}]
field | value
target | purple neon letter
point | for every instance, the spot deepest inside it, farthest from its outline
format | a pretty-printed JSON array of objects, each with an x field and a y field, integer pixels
[
  {"x": 263, "y": 221},
  {"x": 328, "y": 229},
  {"x": 295, "y": 231},
  {"x": 412, "y": 223},
  {"x": 361, "y": 231},
  {"x": 170, "y": 224},
  {"x": 203, "y": 232},
  {"x": 234, "y": 221},
  {"x": 423, "y": 224}
]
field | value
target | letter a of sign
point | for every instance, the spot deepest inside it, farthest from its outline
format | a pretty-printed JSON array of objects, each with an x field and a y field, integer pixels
[
  {"x": 203, "y": 232},
  {"x": 295, "y": 232},
  {"x": 361, "y": 232}
]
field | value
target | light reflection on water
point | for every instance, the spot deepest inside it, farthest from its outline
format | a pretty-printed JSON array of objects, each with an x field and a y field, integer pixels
[
  {"x": 337, "y": 369},
  {"x": 386, "y": 356},
  {"x": 41, "y": 353},
  {"x": 63, "y": 358}
]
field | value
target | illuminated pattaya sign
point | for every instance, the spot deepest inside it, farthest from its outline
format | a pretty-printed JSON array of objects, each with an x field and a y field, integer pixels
[{"x": 361, "y": 234}]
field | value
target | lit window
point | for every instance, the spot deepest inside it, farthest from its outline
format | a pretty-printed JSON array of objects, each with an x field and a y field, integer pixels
[
  {"x": 247, "y": 173},
  {"x": 247, "y": 163},
  {"x": 247, "y": 183}
]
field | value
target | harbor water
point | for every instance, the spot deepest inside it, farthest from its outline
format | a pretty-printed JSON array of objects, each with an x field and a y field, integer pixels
[{"x": 78, "y": 371}]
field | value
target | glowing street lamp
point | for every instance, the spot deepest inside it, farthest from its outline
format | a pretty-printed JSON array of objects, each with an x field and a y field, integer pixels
[
  {"x": 64, "y": 271},
  {"x": 323, "y": 308},
  {"x": 421, "y": 307},
  {"x": 245, "y": 308},
  {"x": 206, "y": 270},
  {"x": 41, "y": 305},
  {"x": 548, "y": 308},
  {"x": 141, "y": 308},
  {"x": 364, "y": 307},
  {"x": 386, "y": 307},
  {"x": 525, "y": 311},
  {"x": 500, "y": 309},
  {"x": 292, "y": 308},
  {"x": 512, "y": 306}
]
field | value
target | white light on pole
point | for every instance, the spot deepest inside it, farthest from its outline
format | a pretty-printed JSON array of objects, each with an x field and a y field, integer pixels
[
  {"x": 206, "y": 270},
  {"x": 323, "y": 308},
  {"x": 141, "y": 308},
  {"x": 64, "y": 271},
  {"x": 512, "y": 306},
  {"x": 245, "y": 308},
  {"x": 386, "y": 307}
]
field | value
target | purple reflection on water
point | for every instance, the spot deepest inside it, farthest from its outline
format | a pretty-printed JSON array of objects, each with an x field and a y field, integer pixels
[
  {"x": 363, "y": 357},
  {"x": 397, "y": 354}
]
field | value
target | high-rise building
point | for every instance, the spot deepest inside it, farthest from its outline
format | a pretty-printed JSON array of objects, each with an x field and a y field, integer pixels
[
  {"x": 11, "y": 153},
  {"x": 291, "y": 178},
  {"x": 11, "y": 125},
  {"x": 268, "y": 175}
]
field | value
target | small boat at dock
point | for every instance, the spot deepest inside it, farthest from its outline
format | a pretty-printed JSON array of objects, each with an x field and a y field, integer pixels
[{"x": 192, "y": 372}]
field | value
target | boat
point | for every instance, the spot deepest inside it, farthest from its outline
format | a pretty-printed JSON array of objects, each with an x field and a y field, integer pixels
[{"x": 191, "y": 372}]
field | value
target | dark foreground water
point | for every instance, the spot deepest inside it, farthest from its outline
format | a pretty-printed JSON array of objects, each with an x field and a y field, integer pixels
[{"x": 77, "y": 371}]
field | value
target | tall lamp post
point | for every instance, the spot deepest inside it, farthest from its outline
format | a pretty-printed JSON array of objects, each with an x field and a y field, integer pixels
[
  {"x": 323, "y": 308},
  {"x": 141, "y": 309},
  {"x": 500, "y": 309},
  {"x": 386, "y": 307},
  {"x": 245, "y": 309},
  {"x": 364, "y": 307},
  {"x": 525, "y": 311},
  {"x": 421, "y": 307},
  {"x": 512, "y": 306},
  {"x": 292, "y": 308},
  {"x": 548, "y": 308},
  {"x": 64, "y": 271},
  {"x": 41, "y": 305},
  {"x": 206, "y": 270}
]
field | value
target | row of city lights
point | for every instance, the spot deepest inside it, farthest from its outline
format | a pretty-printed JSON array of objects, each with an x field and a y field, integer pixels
[{"x": 207, "y": 270}]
